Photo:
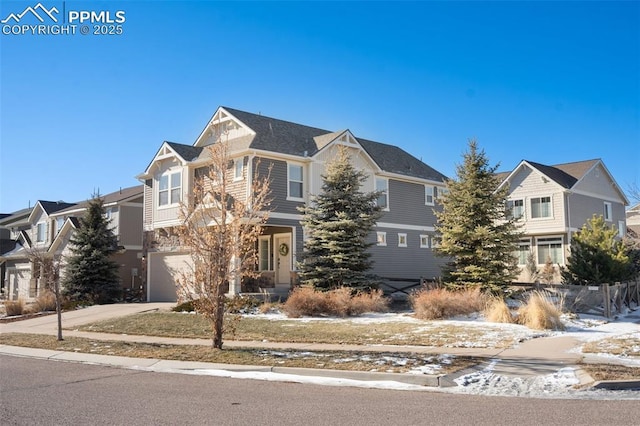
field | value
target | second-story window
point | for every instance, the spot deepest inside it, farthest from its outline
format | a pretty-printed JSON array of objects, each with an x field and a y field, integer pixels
[
  {"x": 540, "y": 207},
  {"x": 296, "y": 182},
  {"x": 515, "y": 208},
  {"x": 382, "y": 186},
  {"x": 41, "y": 232},
  {"x": 238, "y": 168},
  {"x": 429, "y": 195},
  {"x": 169, "y": 189}
]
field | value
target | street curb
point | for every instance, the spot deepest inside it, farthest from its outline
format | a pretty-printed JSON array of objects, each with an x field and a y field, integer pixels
[{"x": 152, "y": 363}]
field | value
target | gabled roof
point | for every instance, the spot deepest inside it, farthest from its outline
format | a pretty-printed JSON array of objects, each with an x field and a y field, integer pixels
[
  {"x": 70, "y": 224},
  {"x": 556, "y": 174},
  {"x": 187, "y": 152},
  {"x": 122, "y": 195},
  {"x": 49, "y": 207},
  {"x": 285, "y": 137},
  {"x": 16, "y": 218}
]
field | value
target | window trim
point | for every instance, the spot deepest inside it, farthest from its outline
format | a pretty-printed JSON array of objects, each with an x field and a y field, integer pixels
[
  {"x": 401, "y": 236},
  {"x": 44, "y": 232},
  {"x": 523, "y": 243},
  {"x": 381, "y": 239},
  {"x": 170, "y": 188},
  {"x": 549, "y": 240},
  {"x": 385, "y": 192},
  {"x": 608, "y": 211},
  {"x": 550, "y": 216},
  {"x": 290, "y": 181},
  {"x": 511, "y": 204},
  {"x": 430, "y": 191},
  {"x": 238, "y": 163},
  {"x": 267, "y": 239},
  {"x": 424, "y": 241},
  {"x": 432, "y": 242}
]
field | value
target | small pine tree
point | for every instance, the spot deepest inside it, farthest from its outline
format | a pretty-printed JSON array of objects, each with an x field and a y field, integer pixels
[
  {"x": 548, "y": 273},
  {"x": 597, "y": 256},
  {"x": 338, "y": 222},
  {"x": 532, "y": 267},
  {"x": 90, "y": 274},
  {"x": 476, "y": 231}
]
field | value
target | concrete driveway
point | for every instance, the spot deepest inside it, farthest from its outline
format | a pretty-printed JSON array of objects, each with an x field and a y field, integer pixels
[{"x": 49, "y": 324}]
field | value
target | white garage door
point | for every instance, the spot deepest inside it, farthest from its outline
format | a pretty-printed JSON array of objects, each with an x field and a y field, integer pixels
[{"x": 164, "y": 270}]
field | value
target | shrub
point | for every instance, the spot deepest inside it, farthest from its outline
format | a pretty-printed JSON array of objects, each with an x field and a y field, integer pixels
[
  {"x": 442, "y": 303},
  {"x": 241, "y": 304},
  {"x": 46, "y": 301},
  {"x": 341, "y": 302},
  {"x": 540, "y": 312},
  {"x": 14, "y": 307},
  {"x": 305, "y": 301},
  {"x": 184, "y": 307},
  {"x": 498, "y": 311}
]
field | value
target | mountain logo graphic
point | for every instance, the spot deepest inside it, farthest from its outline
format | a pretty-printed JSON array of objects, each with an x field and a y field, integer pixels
[{"x": 33, "y": 11}]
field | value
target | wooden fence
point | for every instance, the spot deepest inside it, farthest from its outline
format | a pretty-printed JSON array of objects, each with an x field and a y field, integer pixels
[{"x": 604, "y": 299}]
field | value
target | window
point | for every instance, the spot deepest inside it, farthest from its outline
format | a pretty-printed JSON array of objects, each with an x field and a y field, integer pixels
[
  {"x": 382, "y": 186},
  {"x": 441, "y": 192},
  {"x": 169, "y": 189},
  {"x": 622, "y": 229},
  {"x": 424, "y": 241},
  {"x": 402, "y": 240},
  {"x": 59, "y": 224},
  {"x": 296, "y": 181},
  {"x": 524, "y": 248},
  {"x": 515, "y": 208},
  {"x": 435, "y": 241},
  {"x": 549, "y": 248},
  {"x": 381, "y": 239},
  {"x": 41, "y": 235},
  {"x": 265, "y": 253},
  {"x": 540, "y": 207},
  {"x": 607, "y": 211},
  {"x": 238, "y": 168},
  {"x": 429, "y": 195}
]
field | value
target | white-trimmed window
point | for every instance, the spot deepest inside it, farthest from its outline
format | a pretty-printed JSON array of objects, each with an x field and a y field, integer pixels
[
  {"x": 549, "y": 248},
  {"x": 381, "y": 238},
  {"x": 402, "y": 240},
  {"x": 430, "y": 195},
  {"x": 441, "y": 192},
  {"x": 524, "y": 248},
  {"x": 540, "y": 207},
  {"x": 515, "y": 208},
  {"x": 59, "y": 224},
  {"x": 424, "y": 241},
  {"x": 382, "y": 186},
  {"x": 264, "y": 252},
  {"x": 296, "y": 181},
  {"x": 41, "y": 232},
  {"x": 608, "y": 212},
  {"x": 170, "y": 189},
  {"x": 435, "y": 241},
  {"x": 238, "y": 169}
]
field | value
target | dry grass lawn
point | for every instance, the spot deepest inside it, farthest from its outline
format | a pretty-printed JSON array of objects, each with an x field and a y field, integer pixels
[
  {"x": 611, "y": 372},
  {"x": 336, "y": 332},
  {"x": 354, "y": 361},
  {"x": 628, "y": 346}
]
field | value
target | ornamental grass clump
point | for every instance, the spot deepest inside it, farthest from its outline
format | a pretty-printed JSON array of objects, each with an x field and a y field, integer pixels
[
  {"x": 15, "y": 307},
  {"x": 341, "y": 302},
  {"x": 541, "y": 312},
  {"x": 498, "y": 311}
]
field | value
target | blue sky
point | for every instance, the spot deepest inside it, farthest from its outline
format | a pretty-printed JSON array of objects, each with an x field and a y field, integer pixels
[{"x": 550, "y": 82}]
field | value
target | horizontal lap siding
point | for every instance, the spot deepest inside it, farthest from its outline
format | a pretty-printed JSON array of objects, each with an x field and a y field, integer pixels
[
  {"x": 406, "y": 205},
  {"x": 278, "y": 185}
]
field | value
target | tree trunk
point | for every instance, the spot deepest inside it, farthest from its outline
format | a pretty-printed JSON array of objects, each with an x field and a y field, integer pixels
[
  {"x": 58, "y": 309},
  {"x": 218, "y": 321}
]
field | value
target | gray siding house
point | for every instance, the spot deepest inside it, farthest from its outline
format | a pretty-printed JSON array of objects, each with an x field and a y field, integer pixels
[
  {"x": 553, "y": 202},
  {"x": 297, "y": 155}
]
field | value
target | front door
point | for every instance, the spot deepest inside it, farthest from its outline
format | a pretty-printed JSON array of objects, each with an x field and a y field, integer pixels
[{"x": 283, "y": 259}]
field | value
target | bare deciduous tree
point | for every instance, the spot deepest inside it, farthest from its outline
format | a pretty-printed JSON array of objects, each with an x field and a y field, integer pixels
[
  {"x": 47, "y": 269},
  {"x": 221, "y": 223}
]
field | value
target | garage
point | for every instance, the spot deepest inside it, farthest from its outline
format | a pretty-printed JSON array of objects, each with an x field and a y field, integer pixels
[
  {"x": 163, "y": 272},
  {"x": 19, "y": 281}
]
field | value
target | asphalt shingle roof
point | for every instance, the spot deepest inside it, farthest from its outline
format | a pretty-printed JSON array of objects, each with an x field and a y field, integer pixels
[
  {"x": 290, "y": 138},
  {"x": 187, "y": 152}
]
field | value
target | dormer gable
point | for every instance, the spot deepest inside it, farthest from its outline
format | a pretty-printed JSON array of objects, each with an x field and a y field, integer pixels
[
  {"x": 328, "y": 143},
  {"x": 172, "y": 151},
  {"x": 223, "y": 124}
]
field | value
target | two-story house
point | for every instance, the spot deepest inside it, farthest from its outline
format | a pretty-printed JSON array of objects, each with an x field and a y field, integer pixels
[
  {"x": 48, "y": 228},
  {"x": 31, "y": 234},
  {"x": 123, "y": 209},
  {"x": 297, "y": 155},
  {"x": 11, "y": 227},
  {"x": 553, "y": 202}
]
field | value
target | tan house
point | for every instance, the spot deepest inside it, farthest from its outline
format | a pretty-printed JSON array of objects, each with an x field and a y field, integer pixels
[
  {"x": 553, "y": 202},
  {"x": 48, "y": 229},
  {"x": 403, "y": 238}
]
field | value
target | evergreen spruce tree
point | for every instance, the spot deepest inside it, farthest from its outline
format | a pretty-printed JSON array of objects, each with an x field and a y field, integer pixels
[
  {"x": 338, "y": 222},
  {"x": 597, "y": 256},
  {"x": 476, "y": 231},
  {"x": 90, "y": 274}
]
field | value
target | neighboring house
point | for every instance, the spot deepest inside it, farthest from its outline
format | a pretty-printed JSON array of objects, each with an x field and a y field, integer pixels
[
  {"x": 633, "y": 222},
  {"x": 553, "y": 202},
  {"x": 48, "y": 228},
  {"x": 124, "y": 210},
  {"x": 298, "y": 155},
  {"x": 11, "y": 226},
  {"x": 33, "y": 233}
]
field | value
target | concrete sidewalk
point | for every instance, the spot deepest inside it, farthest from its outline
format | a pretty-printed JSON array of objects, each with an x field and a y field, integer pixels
[{"x": 536, "y": 357}]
